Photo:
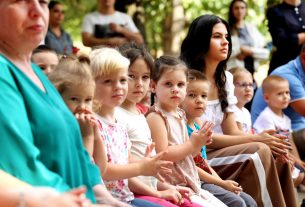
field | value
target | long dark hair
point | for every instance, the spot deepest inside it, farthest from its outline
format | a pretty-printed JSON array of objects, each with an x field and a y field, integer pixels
[
  {"x": 196, "y": 46},
  {"x": 231, "y": 18}
]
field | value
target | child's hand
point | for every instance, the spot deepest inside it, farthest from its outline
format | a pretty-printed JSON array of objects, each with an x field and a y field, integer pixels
[
  {"x": 184, "y": 191},
  {"x": 171, "y": 195},
  {"x": 203, "y": 136},
  {"x": 232, "y": 186},
  {"x": 85, "y": 117},
  {"x": 155, "y": 166},
  {"x": 299, "y": 162}
]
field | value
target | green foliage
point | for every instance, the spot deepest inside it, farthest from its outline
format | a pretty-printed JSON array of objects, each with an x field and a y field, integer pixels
[
  {"x": 155, "y": 12},
  {"x": 75, "y": 10}
]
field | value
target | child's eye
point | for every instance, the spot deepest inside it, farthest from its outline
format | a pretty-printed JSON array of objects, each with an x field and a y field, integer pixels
[
  {"x": 204, "y": 96},
  {"x": 74, "y": 99},
  {"x": 180, "y": 85},
  {"x": 107, "y": 81},
  {"x": 168, "y": 84},
  {"x": 43, "y": 67},
  {"x": 131, "y": 76},
  {"x": 145, "y": 77},
  {"x": 123, "y": 80},
  {"x": 88, "y": 100}
]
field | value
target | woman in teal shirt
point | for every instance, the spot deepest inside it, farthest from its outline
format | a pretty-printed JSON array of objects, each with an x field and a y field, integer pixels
[{"x": 40, "y": 140}]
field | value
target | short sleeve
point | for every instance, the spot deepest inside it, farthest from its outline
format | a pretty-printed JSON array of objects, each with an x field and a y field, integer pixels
[
  {"x": 297, "y": 90},
  {"x": 131, "y": 25},
  {"x": 88, "y": 24},
  {"x": 231, "y": 98},
  {"x": 238, "y": 116},
  {"x": 263, "y": 122}
]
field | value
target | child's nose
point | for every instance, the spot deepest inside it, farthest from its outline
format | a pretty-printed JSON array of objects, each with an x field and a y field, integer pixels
[
  {"x": 82, "y": 105},
  {"x": 139, "y": 82},
  {"x": 174, "y": 89}
]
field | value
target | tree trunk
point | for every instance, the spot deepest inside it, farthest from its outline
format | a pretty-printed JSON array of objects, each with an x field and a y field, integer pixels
[{"x": 173, "y": 28}]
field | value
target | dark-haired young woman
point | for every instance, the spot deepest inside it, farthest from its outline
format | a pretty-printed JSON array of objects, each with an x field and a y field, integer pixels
[{"x": 244, "y": 158}]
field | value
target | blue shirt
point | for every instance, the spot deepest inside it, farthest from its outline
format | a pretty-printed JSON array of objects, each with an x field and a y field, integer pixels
[
  {"x": 62, "y": 45},
  {"x": 190, "y": 131},
  {"x": 294, "y": 73}
]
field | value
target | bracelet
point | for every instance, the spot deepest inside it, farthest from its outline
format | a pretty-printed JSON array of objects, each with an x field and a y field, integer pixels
[{"x": 21, "y": 202}]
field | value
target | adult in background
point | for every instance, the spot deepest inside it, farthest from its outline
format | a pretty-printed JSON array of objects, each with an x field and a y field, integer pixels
[
  {"x": 41, "y": 142},
  {"x": 57, "y": 38},
  {"x": 294, "y": 72},
  {"x": 235, "y": 155},
  {"x": 109, "y": 27},
  {"x": 247, "y": 42},
  {"x": 286, "y": 22}
]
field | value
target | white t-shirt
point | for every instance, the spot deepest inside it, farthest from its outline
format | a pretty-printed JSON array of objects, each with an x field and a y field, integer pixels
[
  {"x": 213, "y": 111},
  {"x": 243, "y": 116},
  {"x": 96, "y": 17},
  {"x": 267, "y": 119},
  {"x": 140, "y": 137}
]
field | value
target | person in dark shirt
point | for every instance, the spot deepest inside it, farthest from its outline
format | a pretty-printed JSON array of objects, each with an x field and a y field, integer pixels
[{"x": 286, "y": 22}]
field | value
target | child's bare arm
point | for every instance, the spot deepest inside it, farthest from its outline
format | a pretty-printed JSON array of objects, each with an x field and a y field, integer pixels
[
  {"x": 229, "y": 185},
  {"x": 177, "y": 152},
  {"x": 138, "y": 187},
  {"x": 148, "y": 166},
  {"x": 84, "y": 119}
]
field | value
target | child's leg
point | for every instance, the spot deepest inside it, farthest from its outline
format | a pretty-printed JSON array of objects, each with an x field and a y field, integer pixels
[
  {"x": 188, "y": 203},
  {"x": 227, "y": 197},
  {"x": 206, "y": 199},
  {"x": 160, "y": 201},
  {"x": 137, "y": 202},
  {"x": 250, "y": 202}
]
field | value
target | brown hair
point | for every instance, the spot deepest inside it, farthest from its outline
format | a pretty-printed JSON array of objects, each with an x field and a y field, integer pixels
[
  {"x": 193, "y": 75},
  {"x": 271, "y": 82},
  {"x": 71, "y": 71},
  {"x": 133, "y": 51},
  {"x": 165, "y": 63}
]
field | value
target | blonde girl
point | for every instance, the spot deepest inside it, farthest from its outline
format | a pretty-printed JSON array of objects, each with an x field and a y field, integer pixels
[
  {"x": 243, "y": 90},
  {"x": 110, "y": 71},
  {"x": 73, "y": 80},
  {"x": 140, "y": 70},
  {"x": 168, "y": 128}
]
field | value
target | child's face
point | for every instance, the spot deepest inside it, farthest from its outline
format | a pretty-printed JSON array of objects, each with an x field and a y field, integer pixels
[
  {"x": 279, "y": 96},
  {"x": 79, "y": 98},
  {"x": 112, "y": 90},
  {"x": 244, "y": 88},
  {"x": 170, "y": 90},
  {"x": 47, "y": 61},
  {"x": 196, "y": 98},
  {"x": 219, "y": 45},
  {"x": 138, "y": 81}
]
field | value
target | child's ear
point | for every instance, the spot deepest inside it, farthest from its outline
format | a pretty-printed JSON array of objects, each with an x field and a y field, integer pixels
[
  {"x": 153, "y": 86},
  {"x": 266, "y": 97}
]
